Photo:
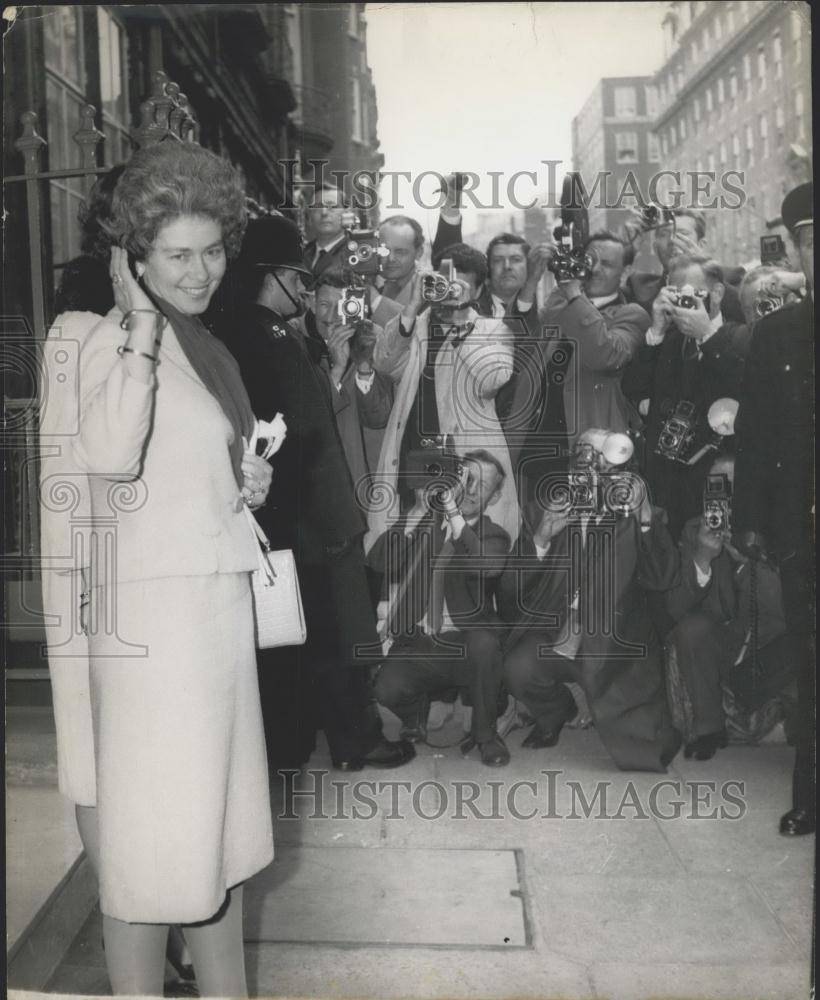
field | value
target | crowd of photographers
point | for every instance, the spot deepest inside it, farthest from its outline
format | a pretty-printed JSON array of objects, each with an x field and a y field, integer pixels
[{"x": 592, "y": 503}]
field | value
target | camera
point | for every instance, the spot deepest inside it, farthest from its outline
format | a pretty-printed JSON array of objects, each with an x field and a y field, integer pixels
[
  {"x": 677, "y": 432},
  {"x": 583, "y": 494},
  {"x": 353, "y": 306},
  {"x": 687, "y": 297},
  {"x": 767, "y": 303},
  {"x": 442, "y": 287},
  {"x": 365, "y": 251},
  {"x": 571, "y": 262},
  {"x": 655, "y": 216},
  {"x": 434, "y": 468},
  {"x": 772, "y": 249},
  {"x": 717, "y": 502}
]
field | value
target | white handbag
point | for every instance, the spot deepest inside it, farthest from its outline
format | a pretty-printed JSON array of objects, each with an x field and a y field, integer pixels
[{"x": 279, "y": 619}]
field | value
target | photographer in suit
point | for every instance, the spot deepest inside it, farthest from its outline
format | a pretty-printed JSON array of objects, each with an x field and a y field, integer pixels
[
  {"x": 445, "y": 556},
  {"x": 683, "y": 237},
  {"x": 690, "y": 353},
  {"x": 774, "y": 476},
  {"x": 575, "y": 597},
  {"x": 729, "y": 628},
  {"x": 590, "y": 335}
]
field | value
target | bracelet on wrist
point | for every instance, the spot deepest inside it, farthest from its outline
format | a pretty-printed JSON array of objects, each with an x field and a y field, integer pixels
[
  {"x": 122, "y": 351},
  {"x": 132, "y": 312}
]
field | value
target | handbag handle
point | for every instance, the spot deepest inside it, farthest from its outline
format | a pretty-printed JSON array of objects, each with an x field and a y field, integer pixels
[{"x": 264, "y": 547}]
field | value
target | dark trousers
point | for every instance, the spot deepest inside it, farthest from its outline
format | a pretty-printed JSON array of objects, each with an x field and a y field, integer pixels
[
  {"x": 301, "y": 694},
  {"x": 422, "y": 667},
  {"x": 539, "y": 681},
  {"x": 706, "y": 653},
  {"x": 797, "y": 581}
]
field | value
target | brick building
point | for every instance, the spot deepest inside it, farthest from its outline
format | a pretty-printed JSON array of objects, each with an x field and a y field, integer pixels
[
  {"x": 735, "y": 93},
  {"x": 612, "y": 135}
]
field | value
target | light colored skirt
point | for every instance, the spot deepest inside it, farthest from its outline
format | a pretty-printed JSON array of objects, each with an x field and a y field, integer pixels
[{"x": 180, "y": 765}]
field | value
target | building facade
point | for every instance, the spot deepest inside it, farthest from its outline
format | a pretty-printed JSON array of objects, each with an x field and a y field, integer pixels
[
  {"x": 612, "y": 136},
  {"x": 735, "y": 94}
]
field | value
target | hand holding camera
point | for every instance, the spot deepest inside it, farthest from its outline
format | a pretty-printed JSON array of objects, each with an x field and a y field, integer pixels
[
  {"x": 663, "y": 312},
  {"x": 538, "y": 260},
  {"x": 552, "y": 523},
  {"x": 689, "y": 311},
  {"x": 708, "y": 545},
  {"x": 338, "y": 347}
]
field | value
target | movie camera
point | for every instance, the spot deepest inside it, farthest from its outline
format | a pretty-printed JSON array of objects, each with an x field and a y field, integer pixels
[
  {"x": 572, "y": 262},
  {"x": 655, "y": 216},
  {"x": 441, "y": 287},
  {"x": 365, "y": 252}
]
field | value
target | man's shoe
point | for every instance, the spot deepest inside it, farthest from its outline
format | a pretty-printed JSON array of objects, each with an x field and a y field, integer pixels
[
  {"x": 494, "y": 752},
  {"x": 797, "y": 823},
  {"x": 384, "y": 754},
  {"x": 705, "y": 747},
  {"x": 537, "y": 738}
]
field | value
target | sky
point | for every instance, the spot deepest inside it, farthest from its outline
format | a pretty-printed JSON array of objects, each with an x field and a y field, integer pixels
[{"x": 495, "y": 86}]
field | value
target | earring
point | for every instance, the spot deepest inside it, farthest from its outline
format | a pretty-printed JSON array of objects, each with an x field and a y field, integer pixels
[{"x": 140, "y": 270}]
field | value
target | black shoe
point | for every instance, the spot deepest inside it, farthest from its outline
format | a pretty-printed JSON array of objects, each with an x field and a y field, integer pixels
[
  {"x": 384, "y": 754},
  {"x": 494, "y": 752},
  {"x": 538, "y": 738},
  {"x": 797, "y": 823},
  {"x": 705, "y": 747},
  {"x": 181, "y": 988}
]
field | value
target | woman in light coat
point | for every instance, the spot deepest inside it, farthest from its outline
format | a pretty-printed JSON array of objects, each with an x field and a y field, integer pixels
[{"x": 172, "y": 778}]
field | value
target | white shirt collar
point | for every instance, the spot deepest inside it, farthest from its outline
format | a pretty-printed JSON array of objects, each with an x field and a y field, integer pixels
[{"x": 603, "y": 300}]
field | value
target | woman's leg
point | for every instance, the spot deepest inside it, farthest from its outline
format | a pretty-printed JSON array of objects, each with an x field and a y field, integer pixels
[
  {"x": 218, "y": 950},
  {"x": 135, "y": 957}
]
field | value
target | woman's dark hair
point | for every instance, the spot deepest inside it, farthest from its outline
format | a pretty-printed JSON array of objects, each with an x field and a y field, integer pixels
[{"x": 171, "y": 179}]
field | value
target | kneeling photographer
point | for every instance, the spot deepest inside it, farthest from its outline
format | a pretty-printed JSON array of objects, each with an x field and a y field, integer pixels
[
  {"x": 691, "y": 357},
  {"x": 729, "y": 643}
]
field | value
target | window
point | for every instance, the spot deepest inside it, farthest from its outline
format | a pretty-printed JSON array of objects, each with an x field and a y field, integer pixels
[
  {"x": 662, "y": 93},
  {"x": 761, "y": 66},
  {"x": 797, "y": 36},
  {"x": 706, "y": 38},
  {"x": 709, "y": 105},
  {"x": 693, "y": 51},
  {"x": 651, "y": 96},
  {"x": 113, "y": 87},
  {"x": 747, "y": 76},
  {"x": 777, "y": 55},
  {"x": 680, "y": 76},
  {"x": 718, "y": 28},
  {"x": 736, "y": 151},
  {"x": 64, "y": 57},
  {"x": 779, "y": 124},
  {"x": 353, "y": 20},
  {"x": 722, "y": 154},
  {"x": 799, "y": 124},
  {"x": 733, "y": 85},
  {"x": 673, "y": 138},
  {"x": 696, "y": 109},
  {"x": 626, "y": 147},
  {"x": 721, "y": 92},
  {"x": 625, "y": 102},
  {"x": 730, "y": 18},
  {"x": 653, "y": 152},
  {"x": 750, "y": 145},
  {"x": 711, "y": 162},
  {"x": 764, "y": 138},
  {"x": 699, "y": 165},
  {"x": 682, "y": 129},
  {"x": 356, "y": 103},
  {"x": 664, "y": 145}
]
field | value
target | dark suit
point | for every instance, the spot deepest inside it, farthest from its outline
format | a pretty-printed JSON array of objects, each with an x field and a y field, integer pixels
[
  {"x": 673, "y": 371},
  {"x": 312, "y": 510},
  {"x": 774, "y": 490},
  {"x": 466, "y": 653},
  {"x": 712, "y": 623},
  {"x": 335, "y": 257},
  {"x": 618, "y": 660}
]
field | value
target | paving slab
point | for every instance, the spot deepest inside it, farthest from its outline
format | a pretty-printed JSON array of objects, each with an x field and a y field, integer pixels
[
  {"x": 685, "y": 981},
  {"x": 351, "y": 895}
]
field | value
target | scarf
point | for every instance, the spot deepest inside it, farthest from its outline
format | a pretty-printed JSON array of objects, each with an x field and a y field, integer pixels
[{"x": 219, "y": 373}]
